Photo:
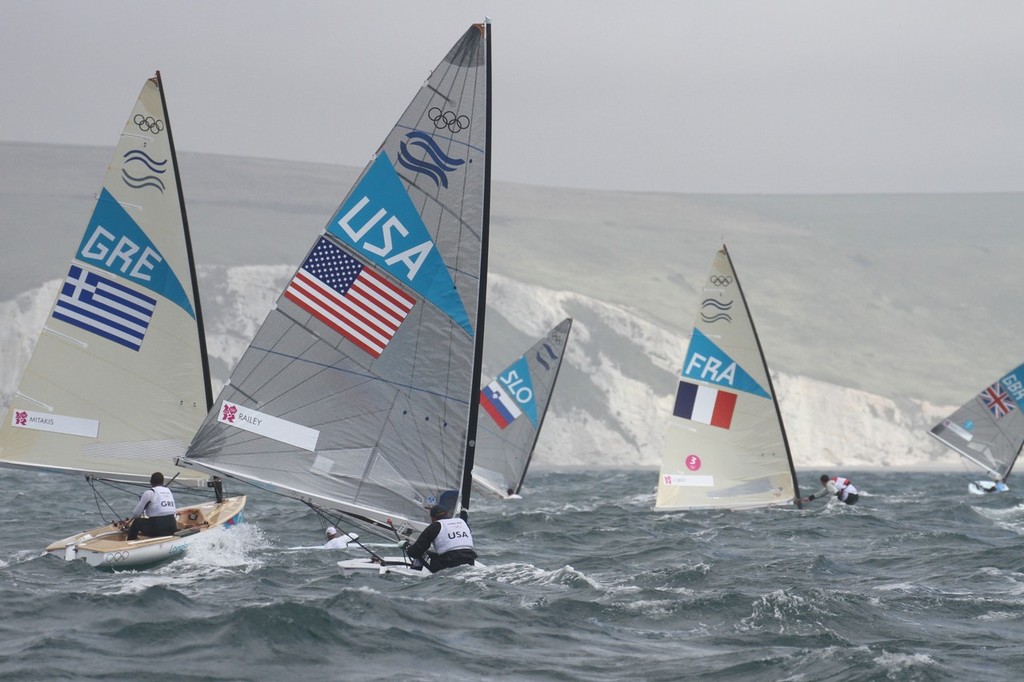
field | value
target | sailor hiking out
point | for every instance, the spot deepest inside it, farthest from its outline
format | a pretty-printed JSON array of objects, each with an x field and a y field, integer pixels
[
  {"x": 452, "y": 541},
  {"x": 842, "y": 488}
]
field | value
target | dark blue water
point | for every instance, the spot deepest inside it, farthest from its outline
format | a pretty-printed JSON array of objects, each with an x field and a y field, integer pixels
[{"x": 920, "y": 581}]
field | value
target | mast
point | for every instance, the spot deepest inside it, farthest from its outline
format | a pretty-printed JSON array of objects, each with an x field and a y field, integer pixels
[
  {"x": 768, "y": 375},
  {"x": 474, "y": 403},
  {"x": 188, "y": 248}
]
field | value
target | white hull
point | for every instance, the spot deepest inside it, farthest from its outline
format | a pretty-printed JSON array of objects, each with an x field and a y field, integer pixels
[
  {"x": 392, "y": 564},
  {"x": 395, "y": 565},
  {"x": 986, "y": 488},
  {"x": 106, "y": 546}
]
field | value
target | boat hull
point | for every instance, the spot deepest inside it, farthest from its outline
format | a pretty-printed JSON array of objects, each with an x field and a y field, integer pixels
[
  {"x": 986, "y": 487},
  {"x": 106, "y": 546},
  {"x": 394, "y": 565}
]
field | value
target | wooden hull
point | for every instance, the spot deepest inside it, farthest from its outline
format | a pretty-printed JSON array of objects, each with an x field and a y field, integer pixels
[{"x": 106, "y": 546}]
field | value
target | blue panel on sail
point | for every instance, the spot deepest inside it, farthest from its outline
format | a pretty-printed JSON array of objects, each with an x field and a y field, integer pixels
[
  {"x": 1013, "y": 382},
  {"x": 705, "y": 361},
  {"x": 381, "y": 222},
  {"x": 114, "y": 242},
  {"x": 519, "y": 385}
]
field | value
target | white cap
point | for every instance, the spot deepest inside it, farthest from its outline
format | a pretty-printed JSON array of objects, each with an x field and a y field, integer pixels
[{"x": 331, "y": 530}]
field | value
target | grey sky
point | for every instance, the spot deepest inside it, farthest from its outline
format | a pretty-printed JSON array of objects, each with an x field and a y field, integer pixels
[{"x": 682, "y": 96}]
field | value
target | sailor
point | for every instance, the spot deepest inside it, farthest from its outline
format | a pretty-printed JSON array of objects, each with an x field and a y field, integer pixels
[
  {"x": 336, "y": 539},
  {"x": 157, "y": 503},
  {"x": 452, "y": 540},
  {"x": 841, "y": 487}
]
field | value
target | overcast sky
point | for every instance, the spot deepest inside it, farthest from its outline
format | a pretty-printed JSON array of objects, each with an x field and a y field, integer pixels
[{"x": 682, "y": 96}]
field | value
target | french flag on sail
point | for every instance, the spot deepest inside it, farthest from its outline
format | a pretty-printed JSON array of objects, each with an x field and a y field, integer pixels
[
  {"x": 704, "y": 404},
  {"x": 499, "y": 404}
]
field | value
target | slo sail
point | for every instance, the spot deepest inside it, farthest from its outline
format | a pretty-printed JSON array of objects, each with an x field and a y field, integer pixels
[
  {"x": 358, "y": 393},
  {"x": 725, "y": 446},
  {"x": 119, "y": 381},
  {"x": 515, "y": 404},
  {"x": 988, "y": 431}
]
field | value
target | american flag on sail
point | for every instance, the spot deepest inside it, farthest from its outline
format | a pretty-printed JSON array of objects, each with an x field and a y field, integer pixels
[
  {"x": 102, "y": 306},
  {"x": 997, "y": 400},
  {"x": 348, "y": 297}
]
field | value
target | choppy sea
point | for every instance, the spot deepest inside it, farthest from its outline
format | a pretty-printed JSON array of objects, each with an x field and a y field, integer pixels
[{"x": 582, "y": 580}]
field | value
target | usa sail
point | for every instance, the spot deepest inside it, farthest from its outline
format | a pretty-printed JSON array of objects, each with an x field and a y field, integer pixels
[
  {"x": 514, "y": 406},
  {"x": 725, "y": 445},
  {"x": 119, "y": 379},
  {"x": 357, "y": 394},
  {"x": 988, "y": 431}
]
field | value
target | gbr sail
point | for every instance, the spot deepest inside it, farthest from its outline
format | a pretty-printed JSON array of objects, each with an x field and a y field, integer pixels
[
  {"x": 988, "y": 430},
  {"x": 357, "y": 393},
  {"x": 514, "y": 406},
  {"x": 725, "y": 445},
  {"x": 118, "y": 381}
]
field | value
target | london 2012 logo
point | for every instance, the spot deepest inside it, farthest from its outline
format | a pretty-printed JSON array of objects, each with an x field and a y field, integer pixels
[
  {"x": 20, "y": 418},
  {"x": 228, "y": 415}
]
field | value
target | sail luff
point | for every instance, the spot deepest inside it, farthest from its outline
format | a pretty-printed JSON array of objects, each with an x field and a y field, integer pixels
[
  {"x": 193, "y": 275},
  {"x": 474, "y": 403},
  {"x": 768, "y": 374},
  {"x": 543, "y": 415}
]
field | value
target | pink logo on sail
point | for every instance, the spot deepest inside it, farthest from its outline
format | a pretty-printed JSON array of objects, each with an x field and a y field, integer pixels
[
  {"x": 229, "y": 414},
  {"x": 693, "y": 462},
  {"x": 21, "y": 418}
]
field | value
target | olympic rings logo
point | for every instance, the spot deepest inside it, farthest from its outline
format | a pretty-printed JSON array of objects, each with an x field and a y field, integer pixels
[
  {"x": 448, "y": 119},
  {"x": 721, "y": 280},
  {"x": 148, "y": 124},
  {"x": 115, "y": 557}
]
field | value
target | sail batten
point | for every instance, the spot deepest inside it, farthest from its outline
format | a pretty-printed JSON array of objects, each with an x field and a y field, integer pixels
[
  {"x": 725, "y": 445},
  {"x": 374, "y": 343}
]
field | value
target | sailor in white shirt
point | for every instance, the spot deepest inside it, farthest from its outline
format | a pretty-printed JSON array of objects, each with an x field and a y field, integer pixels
[{"x": 842, "y": 488}]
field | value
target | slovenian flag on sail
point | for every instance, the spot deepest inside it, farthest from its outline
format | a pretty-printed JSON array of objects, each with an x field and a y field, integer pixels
[
  {"x": 704, "y": 404},
  {"x": 499, "y": 404}
]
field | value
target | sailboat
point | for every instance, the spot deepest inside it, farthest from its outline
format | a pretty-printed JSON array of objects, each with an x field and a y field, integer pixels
[
  {"x": 357, "y": 395},
  {"x": 988, "y": 432},
  {"x": 515, "y": 404},
  {"x": 725, "y": 445},
  {"x": 119, "y": 380}
]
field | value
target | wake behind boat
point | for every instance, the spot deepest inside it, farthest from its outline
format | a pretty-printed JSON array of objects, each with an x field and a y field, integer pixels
[
  {"x": 358, "y": 394},
  {"x": 119, "y": 380},
  {"x": 725, "y": 446},
  {"x": 988, "y": 432}
]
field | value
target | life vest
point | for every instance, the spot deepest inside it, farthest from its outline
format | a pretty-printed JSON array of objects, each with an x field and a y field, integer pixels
[
  {"x": 844, "y": 487},
  {"x": 454, "y": 534},
  {"x": 162, "y": 502}
]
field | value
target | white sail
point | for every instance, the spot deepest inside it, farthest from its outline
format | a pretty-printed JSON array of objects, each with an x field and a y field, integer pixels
[
  {"x": 725, "y": 446},
  {"x": 514, "y": 405},
  {"x": 118, "y": 382},
  {"x": 988, "y": 430},
  {"x": 357, "y": 394}
]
